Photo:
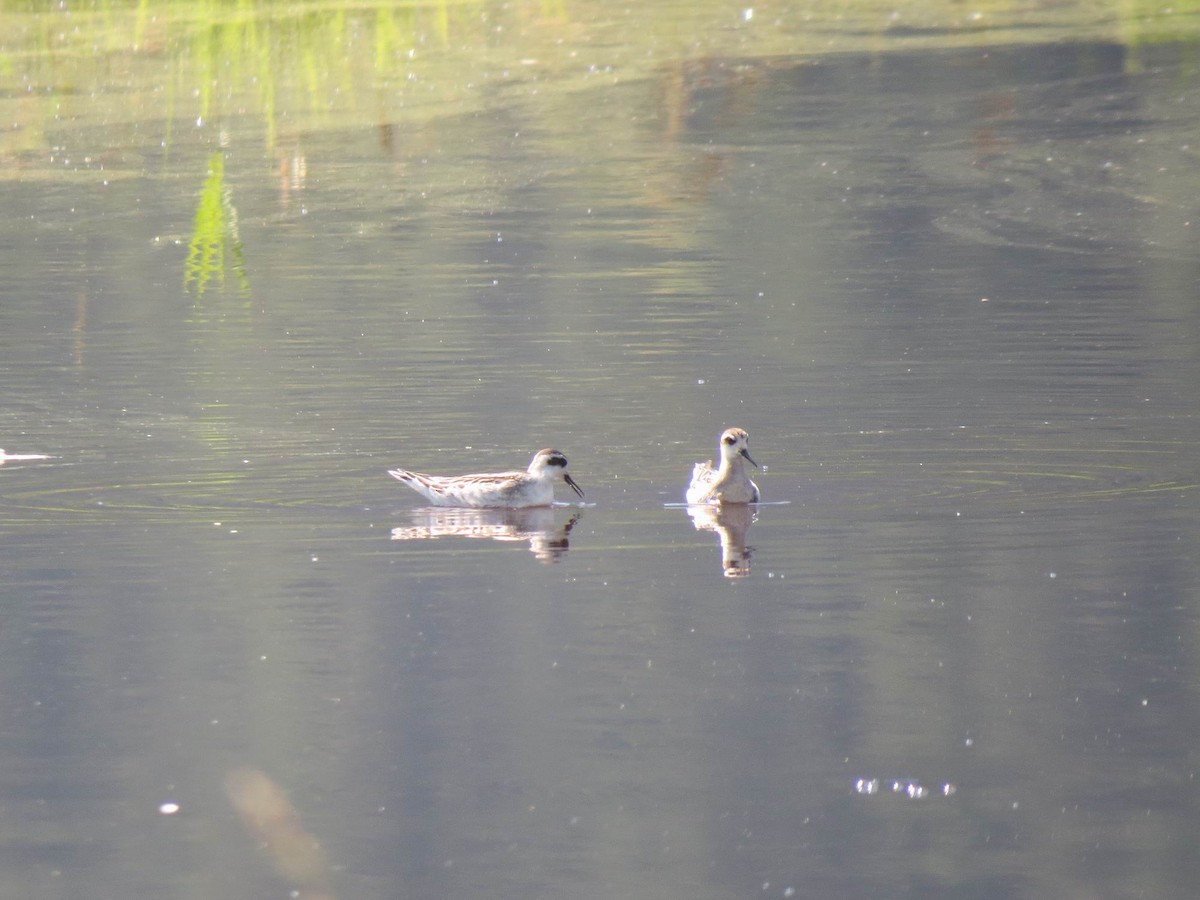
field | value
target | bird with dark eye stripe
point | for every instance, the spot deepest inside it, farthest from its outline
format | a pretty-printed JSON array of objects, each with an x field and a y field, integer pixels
[
  {"x": 729, "y": 482},
  {"x": 514, "y": 490}
]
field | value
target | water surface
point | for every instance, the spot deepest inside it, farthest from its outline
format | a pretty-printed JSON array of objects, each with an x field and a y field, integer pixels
[{"x": 950, "y": 294}]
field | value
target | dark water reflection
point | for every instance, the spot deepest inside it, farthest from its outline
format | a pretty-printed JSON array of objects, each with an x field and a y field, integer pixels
[{"x": 951, "y": 296}]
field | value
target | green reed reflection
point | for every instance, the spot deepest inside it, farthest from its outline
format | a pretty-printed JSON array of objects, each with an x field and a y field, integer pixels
[
  {"x": 214, "y": 234},
  {"x": 301, "y": 64}
]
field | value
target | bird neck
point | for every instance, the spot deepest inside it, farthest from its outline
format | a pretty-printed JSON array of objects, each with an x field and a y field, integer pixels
[{"x": 732, "y": 464}]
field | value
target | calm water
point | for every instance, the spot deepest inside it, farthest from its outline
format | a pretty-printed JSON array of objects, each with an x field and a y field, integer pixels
[{"x": 950, "y": 294}]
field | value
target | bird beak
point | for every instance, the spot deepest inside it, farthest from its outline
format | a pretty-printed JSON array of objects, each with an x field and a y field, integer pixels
[
  {"x": 746, "y": 453},
  {"x": 571, "y": 481}
]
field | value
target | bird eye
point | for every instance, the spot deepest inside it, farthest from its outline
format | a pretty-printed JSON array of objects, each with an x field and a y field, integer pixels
[{"x": 731, "y": 440}]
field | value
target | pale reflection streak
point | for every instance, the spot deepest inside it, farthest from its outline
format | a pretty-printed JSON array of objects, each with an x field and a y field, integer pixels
[
  {"x": 291, "y": 168},
  {"x": 548, "y": 541},
  {"x": 730, "y": 522},
  {"x": 271, "y": 820},
  {"x": 21, "y": 457},
  {"x": 79, "y": 329}
]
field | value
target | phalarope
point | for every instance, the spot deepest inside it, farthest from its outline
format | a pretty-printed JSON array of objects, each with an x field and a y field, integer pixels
[
  {"x": 729, "y": 483},
  {"x": 512, "y": 490}
]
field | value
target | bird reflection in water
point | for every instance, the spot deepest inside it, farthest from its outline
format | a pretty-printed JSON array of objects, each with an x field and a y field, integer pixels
[
  {"x": 730, "y": 521},
  {"x": 6, "y": 457},
  {"x": 548, "y": 541}
]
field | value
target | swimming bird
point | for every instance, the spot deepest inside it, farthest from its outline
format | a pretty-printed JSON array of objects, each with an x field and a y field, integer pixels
[
  {"x": 513, "y": 490},
  {"x": 729, "y": 483}
]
